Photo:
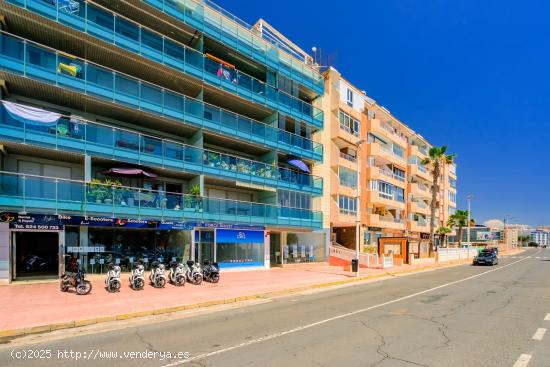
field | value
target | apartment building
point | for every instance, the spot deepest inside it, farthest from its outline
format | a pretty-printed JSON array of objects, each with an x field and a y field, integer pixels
[
  {"x": 394, "y": 188},
  {"x": 154, "y": 130},
  {"x": 541, "y": 237}
]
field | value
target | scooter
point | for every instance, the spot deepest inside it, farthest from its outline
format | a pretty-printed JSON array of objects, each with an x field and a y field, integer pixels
[
  {"x": 77, "y": 281},
  {"x": 195, "y": 272},
  {"x": 177, "y": 274},
  {"x": 211, "y": 271},
  {"x": 137, "y": 279},
  {"x": 112, "y": 282},
  {"x": 157, "y": 277}
]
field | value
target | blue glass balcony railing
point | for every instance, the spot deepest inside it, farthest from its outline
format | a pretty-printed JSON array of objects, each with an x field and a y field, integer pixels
[
  {"x": 233, "y": 32},
  {"x": 54, "y": 195},
  {"x": 44, "y": 64},
  {"x": 86, "y": 137},
  {"x": 117, "y": 30}
]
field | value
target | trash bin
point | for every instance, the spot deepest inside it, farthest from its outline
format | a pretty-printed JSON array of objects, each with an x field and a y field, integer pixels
[{"x": 354, "y": 265}]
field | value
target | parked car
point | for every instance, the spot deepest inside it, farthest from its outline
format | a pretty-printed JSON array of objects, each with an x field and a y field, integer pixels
[{"x": 487, "y": 257}]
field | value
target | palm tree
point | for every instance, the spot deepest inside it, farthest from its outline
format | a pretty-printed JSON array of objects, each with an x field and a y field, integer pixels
[
  {"x": 443, "y": 232},
  {"x": 459, "y": 219},
  {"x": 437, "y": 160}
]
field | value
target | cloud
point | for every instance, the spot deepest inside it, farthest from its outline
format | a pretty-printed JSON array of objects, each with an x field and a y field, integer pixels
[{"x": 494, "y": 223}]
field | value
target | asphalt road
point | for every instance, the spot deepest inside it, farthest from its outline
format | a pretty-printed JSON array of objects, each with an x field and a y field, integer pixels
[{"x": 460, "y": 316}]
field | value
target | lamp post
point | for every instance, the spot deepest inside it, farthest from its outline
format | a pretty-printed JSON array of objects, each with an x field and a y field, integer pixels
[
  {"x": 505, "y": 236},
  {"x": 358, "y": 204},
  {"x": 469, "y": 197}
]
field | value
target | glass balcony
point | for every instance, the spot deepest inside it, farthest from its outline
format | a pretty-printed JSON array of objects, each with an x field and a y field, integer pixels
[
  {"x": 54, "y": 195},
  {"x": 235, "y": 33},
  {"x": 86, "y": 137},
  {"x": 51, "y": 66},
  {"x": 131, "y": 36}
]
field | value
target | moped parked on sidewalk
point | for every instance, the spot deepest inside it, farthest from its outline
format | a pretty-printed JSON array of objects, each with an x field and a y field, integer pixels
[
  {"x": 112, "y": 281},
  {"x": 195, "y": 272},
  {"x": 177, "y": 275},
  {"x": 137, "y": 278},
  {"x": 211, "y": 271},
  {"x": 76, "y": 280},
  {"x": 157, "y": 277}
]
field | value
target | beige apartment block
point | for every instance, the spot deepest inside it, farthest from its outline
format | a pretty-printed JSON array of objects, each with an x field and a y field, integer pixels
[{"x": 394, "y": 193}]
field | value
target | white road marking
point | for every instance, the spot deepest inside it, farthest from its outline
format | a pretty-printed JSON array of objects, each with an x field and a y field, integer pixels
[
  {"x": 539, "y": 334},
  {"x": 330, "y": 319},
  {"x": 547, "y": 317},
  {"x": 523, "y": 360}
]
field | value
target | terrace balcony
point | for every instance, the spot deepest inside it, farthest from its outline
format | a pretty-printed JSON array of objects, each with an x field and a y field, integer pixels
[
  {"x": 98, "y": 140},
  {"x": 53, "y": 195},
  {"x": 45, "y": 65}
]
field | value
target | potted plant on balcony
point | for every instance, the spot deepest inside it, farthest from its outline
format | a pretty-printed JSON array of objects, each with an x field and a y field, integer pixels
[
  {"x": 97, "y": 191},
  {"x": 193, "y": 198}
]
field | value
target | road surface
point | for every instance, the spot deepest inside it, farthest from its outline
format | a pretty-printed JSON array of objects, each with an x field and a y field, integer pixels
[{"x": 459, "y": 316}]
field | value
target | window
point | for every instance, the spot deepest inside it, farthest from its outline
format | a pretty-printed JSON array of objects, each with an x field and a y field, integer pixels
[
  {"x": 398, "y": 151},
  {"x": 452, "y": 182},
  {"x": 452, "y": 197},
  {"x": 348, "y": 123},
  {"x": 293, "y": 199},
  {"x": 347, "y": 204},
  {"x": 452, "y": 210},
  {"x": 399, "y": 174},
  {"x": 385, "y": 190},
  {"x": 350, "y": 98},
  {"x": 347, "y": 177},
  {"x": 388, "y": 191}
]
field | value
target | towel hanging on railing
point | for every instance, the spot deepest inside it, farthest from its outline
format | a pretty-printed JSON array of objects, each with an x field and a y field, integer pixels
[{"x": 31, "y": 115}]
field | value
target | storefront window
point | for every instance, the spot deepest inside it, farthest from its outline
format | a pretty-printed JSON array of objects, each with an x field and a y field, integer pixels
[
  {"x": 236, "y": 248},
  {"x": 124, "y": 246},
  {"x": 304, "y": 247}
]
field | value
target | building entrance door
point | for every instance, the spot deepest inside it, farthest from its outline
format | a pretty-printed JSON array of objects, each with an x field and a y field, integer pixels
[
  {"x": 36, "y": 254},
  {"x": 204, "y": 245}
]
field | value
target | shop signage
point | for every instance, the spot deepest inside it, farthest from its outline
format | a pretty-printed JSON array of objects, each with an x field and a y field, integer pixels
[
  {"x": 56, "y": 222},
  {"x": 32, "y": 221},
  {"x": 375, "y": 229},
  {"x": 239, "y": 236},
  {"x": 85, "y": 249},
  {"x": 424, "y": 236}
]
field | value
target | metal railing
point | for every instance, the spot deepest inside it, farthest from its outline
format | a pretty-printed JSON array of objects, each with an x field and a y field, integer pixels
[
  {"x": 51, "y": 194},
  {"x": 46, "y": 64}
]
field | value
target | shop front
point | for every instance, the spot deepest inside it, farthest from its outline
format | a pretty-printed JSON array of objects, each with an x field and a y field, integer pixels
[
  {"x": 44, "y": 245},
  {"x": 297, "y": 247},
  {"x": 419, "y": 244}
]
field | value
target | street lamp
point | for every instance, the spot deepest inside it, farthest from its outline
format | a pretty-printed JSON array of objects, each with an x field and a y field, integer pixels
[
  {"x": 506, "y": 218},
  {"x": 358, "y": 204},
  {"x": 469, "y": 197}
]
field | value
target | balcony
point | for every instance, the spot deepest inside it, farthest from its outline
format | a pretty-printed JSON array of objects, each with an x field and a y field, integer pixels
[
  {"x": 43, "y": 64},
  {"x": 420, "y": 207},
  {"x": 418, "y": 151},
  {"x": 385, "y": 174},
  {"x": 53, "y": 195},
  {"x": 385, "y": 152},
  {"x": 419, "y": 226},
  {"x": 98, "y": 140},
  {"x": 387, "y": 222},
  {"x": 420, "y": 171},
  {"x": 235, "y": 33},
  {"x": 377, "y": 197},
  {"x": 155, "y": 47},
  {"x": 387, "y": 131},
  {"x": 420, "y": 190},
  {"x": 348, "y": 161}
]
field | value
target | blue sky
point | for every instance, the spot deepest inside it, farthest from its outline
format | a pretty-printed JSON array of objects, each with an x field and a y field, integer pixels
[{"x": 474, "y": 75}]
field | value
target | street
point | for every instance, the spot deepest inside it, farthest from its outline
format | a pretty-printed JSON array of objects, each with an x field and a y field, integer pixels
[{"x": 459, "y": 316}]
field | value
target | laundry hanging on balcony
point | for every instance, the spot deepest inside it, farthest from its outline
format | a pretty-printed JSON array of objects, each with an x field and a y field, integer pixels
[
  {"x": 129, "y": 172},
  {"x": 31, "y": 115},
  {"x": 226, "y": 70}
]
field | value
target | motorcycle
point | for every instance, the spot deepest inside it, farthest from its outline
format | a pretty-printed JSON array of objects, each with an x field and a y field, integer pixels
[
  {"x": 137, "y": 279},
  {"x": 195, "y": 272},
  {"x": 211, "y": 271},
  {"x": 76, "y": 280},
  {"x": 177, "y": 274},
  {"x": 36, "y": 263},
  {"x": 157, "y": 277},
  {"x": 112, "y": 282}
]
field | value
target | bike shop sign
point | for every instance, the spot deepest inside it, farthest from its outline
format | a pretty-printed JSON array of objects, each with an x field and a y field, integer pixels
[{"x": 41, "y": 222}]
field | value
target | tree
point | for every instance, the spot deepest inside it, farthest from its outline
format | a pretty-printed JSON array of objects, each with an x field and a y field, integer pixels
[
  {"x": 443, "y": 232},
  {"x": 459, "y": 219},
  {"x": 437, "y": 160}
]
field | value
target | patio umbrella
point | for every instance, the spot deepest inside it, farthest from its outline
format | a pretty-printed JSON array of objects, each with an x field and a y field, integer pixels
[
  {"x": 129, "y": 172},
  {"x": 298, "y": 164}
]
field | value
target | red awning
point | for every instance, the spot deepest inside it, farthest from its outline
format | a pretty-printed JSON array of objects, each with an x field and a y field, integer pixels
[{"x": 129, "y": 172}]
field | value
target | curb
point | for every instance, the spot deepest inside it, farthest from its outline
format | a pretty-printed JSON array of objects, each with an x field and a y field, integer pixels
[{"x": 10, "y": 333}]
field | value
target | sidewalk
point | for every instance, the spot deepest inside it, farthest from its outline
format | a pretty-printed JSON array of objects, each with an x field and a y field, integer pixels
[{"x": 39, "y": 307}]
